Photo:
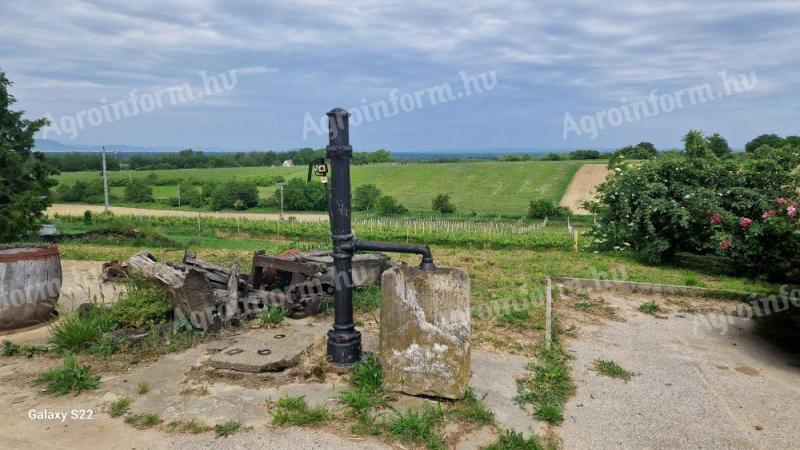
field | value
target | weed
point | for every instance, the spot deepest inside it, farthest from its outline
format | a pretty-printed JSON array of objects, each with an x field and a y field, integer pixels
[
  {"x": 367, "y": 299},
  {"x": 103, "y": 347},
  {"x": 691, "y": 279},
  {"x": 470, "y": 409},
  {"x": 10, "y": 349},
  {"x": 120, "y": 406},
  {"x": 550, "y": 412},
  {"x": 68, "y": 378},
  {"x": 512, "y": 440},
  {"x": 295, "y": 411},
  {"x": 77, "y": 332},
  {"x": 414, "y": 428},
  {"x": 273, "y": 314},
  {"x": 142, "y": 421},
  {"x": 516, "y": 318},
  {"x": 193, "y": 426},
  {"x": 549, "y": 384},
  {"x": 612, "y": 369},
  {"x": 143, "y": 388},
  {"x": 367, "y": 374},
  {"x": 227, "y": 429},
  {"x": 650, "y": 307},
  {"x": 144, "y": 303}
]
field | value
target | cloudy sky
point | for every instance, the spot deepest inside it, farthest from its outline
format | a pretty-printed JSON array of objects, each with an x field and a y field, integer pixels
[{"x": 289, "y": 61}]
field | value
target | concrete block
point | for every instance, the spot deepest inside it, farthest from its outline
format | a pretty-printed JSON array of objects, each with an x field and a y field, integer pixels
[{"x": 425, "y": 330}]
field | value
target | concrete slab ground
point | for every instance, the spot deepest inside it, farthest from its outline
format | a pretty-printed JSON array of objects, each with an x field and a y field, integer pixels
[{"x": 695, "y": 385}]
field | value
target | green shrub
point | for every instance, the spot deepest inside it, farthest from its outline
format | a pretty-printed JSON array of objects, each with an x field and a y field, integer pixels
[
  {"x": 366, "y": 197},
  {"x": 143, "y": 304},
  {"x": 138, "y": 191},
  {"x": 299, "y": 195},
  {"x": 742, "y": 209},
  {"x": 234, "y": 195},
  {"x": 10, "y": 349},
  {"x": 442, "y": 204},
  {"x": 388, "y": 206},
  {"x": 541, "y": 208},
  {"x": 68, "y": 378}
]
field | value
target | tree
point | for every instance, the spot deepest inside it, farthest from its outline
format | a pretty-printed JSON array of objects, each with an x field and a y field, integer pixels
[
  {"x": 694, "y": 144},
  {"x": 366, "y": 197},
  {"x": 773, "y": 140},
  {"x": 388, "y": 206},
  {"x": 648, "y": 148},
  {"x": 234, "y": 195},
  {"x": 443, "y": 205},
  {"x": 138, "y": 191},
  {"x": 25, "y": 177},
  {"x": 299, "y": 195},
  {"x": 718, "y": 145}
]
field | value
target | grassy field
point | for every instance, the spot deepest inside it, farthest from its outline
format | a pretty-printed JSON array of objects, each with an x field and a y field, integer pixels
[{"x": 483, "y": 187}]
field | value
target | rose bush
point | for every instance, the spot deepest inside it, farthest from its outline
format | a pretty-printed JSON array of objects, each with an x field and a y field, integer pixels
[{"x": 743, "y": 208}]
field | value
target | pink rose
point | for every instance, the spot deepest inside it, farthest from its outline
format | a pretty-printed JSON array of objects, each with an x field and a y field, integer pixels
[
  {"x": 768, "y": 214},
  {"x": 726, "y": 244},
  {"x": 781, "y": 201},
  {"x": 791, "y": 211},
  {"x": 716, "y": 220},
  {"x": 745, "y": 222}
]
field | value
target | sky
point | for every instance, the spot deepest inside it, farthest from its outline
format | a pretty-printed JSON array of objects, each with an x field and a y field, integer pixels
[{"x": 259, "y": 75}]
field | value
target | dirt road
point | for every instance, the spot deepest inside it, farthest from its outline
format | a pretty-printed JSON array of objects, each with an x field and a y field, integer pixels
[
  {"x": 696, "y": 384},
  {"x": 77, "y": 210},
  {"x": 583, "y": 186}
]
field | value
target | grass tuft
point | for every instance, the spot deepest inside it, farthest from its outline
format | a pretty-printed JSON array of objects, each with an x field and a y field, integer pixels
[
  {"x": 470, "y": 409},
  {"x": 612, "y": 369},
  {"x": 512, "y": 440},
  {"x": 650, "y": 307},
  {"x": 549, "y": 385},
  {"x": 227, "y": 429},
  {"x": 291, "y": 410},
  {"x": 68, "y": 378},
  {"x": 413, "y": 427},
  {"x": 273, "y": 314},
  {"x": 367, "y": 299},
  {"x": 143, "y": 388},
  {"x": 142, "y": 421},
  {"x": 550, "y": 412},
  {"x": 192, "y": 426},
  {"x": 120, "y": 406}
]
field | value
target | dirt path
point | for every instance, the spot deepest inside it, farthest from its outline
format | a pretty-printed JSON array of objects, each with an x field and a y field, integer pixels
[
  {"x": 695, "y": 386},
  {"x": 583, "y": 186},
  {"x": 77, "y": 210}
]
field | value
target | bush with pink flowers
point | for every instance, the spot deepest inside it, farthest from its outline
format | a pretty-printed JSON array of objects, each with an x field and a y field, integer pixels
[{"x": 743, "y": 208}]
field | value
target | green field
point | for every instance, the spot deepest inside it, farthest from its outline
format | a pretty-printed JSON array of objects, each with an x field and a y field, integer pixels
[{"x": 490, "y": 187}]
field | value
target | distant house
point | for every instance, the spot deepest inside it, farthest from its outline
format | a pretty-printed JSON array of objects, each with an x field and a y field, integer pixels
[{"x": 288, "y": 163}]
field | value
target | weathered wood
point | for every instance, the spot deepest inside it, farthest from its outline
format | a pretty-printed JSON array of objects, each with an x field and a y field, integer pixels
[
  {"x": 288, "y": 265},
  {"x": 30, "y": 284}
]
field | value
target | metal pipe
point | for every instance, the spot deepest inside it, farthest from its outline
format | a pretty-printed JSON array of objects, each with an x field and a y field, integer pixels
[{"x": 427, "y": 259}]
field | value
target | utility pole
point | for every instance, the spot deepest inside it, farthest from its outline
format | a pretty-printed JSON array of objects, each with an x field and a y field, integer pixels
[
  {"x": 105, "y": 181},
  {"x": 280, "y": 185},
  {"x": 179, "y": 195}
]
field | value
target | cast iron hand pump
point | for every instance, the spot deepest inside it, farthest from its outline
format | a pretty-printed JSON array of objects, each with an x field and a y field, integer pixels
[{"x": 344, "y": 341}]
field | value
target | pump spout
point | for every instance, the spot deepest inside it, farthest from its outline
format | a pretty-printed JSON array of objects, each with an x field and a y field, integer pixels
[{"x": 427, "y": 259}]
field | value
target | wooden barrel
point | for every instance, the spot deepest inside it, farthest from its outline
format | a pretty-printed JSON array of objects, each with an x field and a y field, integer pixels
[{"x": 30, "y": 283}]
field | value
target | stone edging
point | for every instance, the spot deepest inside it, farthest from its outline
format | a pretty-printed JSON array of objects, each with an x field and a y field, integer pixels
[{"x": 632, "y": 286}]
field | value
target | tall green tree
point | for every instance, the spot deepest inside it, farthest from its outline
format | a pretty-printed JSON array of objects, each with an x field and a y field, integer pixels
[
  {"x": 25, "y": 180},
  {"x": 695, "y": 144},
  {"x": 718, "y": 145}
]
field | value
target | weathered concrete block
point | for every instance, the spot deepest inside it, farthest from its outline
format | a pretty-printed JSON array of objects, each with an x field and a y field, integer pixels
[{"x": 425, "y": 328}]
